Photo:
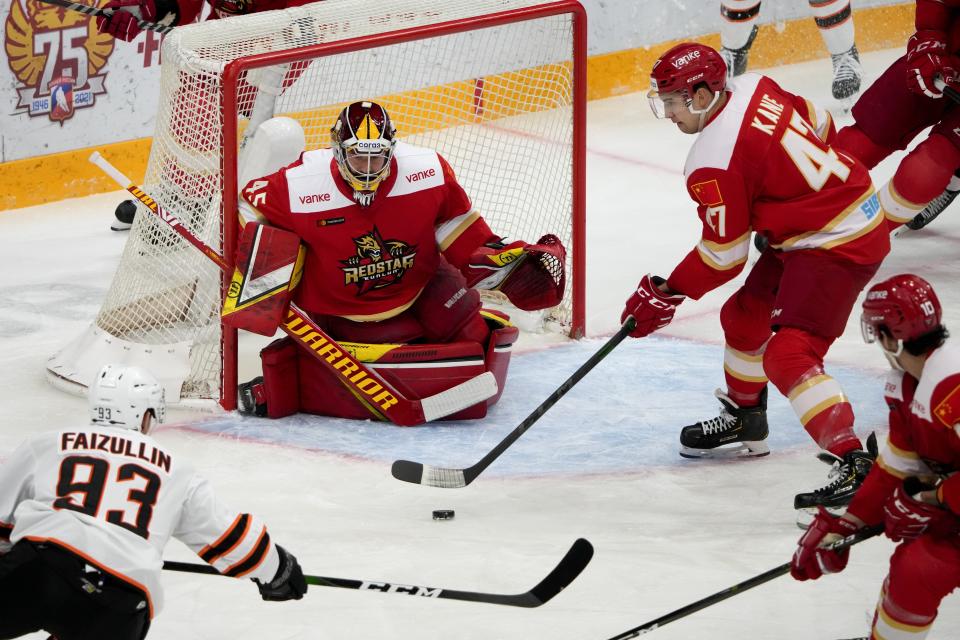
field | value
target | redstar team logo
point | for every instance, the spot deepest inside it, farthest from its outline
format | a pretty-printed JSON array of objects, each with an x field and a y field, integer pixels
[
  {"x": 56, "y": 55},
  {"x": 377, "y": 263}
]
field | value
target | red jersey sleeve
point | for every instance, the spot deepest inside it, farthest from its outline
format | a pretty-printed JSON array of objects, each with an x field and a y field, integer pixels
[
  {"x": 460, "y": 229},
  {"x": 724, "y": 209},
  {"x": 267, "y": 198},
  {"x": 933, "y": 15},
  {"x": 945, "y": 402}
]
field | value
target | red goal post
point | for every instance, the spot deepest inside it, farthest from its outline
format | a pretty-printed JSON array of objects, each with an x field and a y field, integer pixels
[{"x": 498, "y": 87}]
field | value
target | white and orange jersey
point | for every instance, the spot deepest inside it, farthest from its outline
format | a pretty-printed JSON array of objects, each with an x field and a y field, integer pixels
[
  {"x": 924, "y": 439},
  {"x": 114, "y": 497},
  {"x": 369, "y": 263},
  {"x": 764, "y": 163}
]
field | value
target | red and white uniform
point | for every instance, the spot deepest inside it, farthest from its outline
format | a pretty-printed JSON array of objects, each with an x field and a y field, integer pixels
[
  {"x": 924, "y": 441},
  {"x": 888, "y": 116},
  {"x": 763, "y": 163},
  {"x": 115, "y": 497},
  {"x": 189, "y": 10},
  {"x": 369, "y": 263}
]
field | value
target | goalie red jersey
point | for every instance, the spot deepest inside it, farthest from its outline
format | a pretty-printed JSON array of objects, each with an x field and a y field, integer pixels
[
  {"x": 370, "y": 263},
  {"x": 764, "y": 164}
]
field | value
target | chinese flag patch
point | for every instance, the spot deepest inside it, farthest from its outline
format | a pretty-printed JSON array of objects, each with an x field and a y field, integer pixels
[
  {"x": 707, "y": 193},
  {"x": 948, "y": 411}
]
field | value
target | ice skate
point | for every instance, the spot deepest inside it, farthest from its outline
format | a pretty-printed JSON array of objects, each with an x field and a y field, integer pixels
[
  {"x": 845, "y": 477},
  {"x": 933, "y": 209},
  {"x": 847, "y": 74},
  {"x": 250, "y": 398},
  {"x": 123, "y": 216},
  {"x": 736, "y": 59},
  {"x": 735, "y": 433}
]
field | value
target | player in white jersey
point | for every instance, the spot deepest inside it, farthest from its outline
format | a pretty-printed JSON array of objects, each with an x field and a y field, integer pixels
[
  {"x": 835, "y": 22},
  {"x": 86, "y": 512}
]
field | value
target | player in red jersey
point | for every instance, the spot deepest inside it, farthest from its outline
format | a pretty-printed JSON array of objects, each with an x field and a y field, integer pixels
[
  {"x": 914, "y": 488},
  {"x": 86, "y": 512},
  {"x": 395, "y": 253},
  {"x": 763, "y": 162},
  {"x": 902, "y": 103}
]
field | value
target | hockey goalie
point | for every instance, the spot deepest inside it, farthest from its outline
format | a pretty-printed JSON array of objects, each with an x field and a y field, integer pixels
[{"x": 394, "y": 255}]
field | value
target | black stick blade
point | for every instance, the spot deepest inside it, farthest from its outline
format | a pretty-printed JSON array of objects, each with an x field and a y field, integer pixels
[
  {"x": 417, "y": 473},
  {"x": 571, "y": 566}
]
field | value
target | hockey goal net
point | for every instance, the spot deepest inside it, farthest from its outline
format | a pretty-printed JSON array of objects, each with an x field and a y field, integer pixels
[{"x": 496, "y": 86}]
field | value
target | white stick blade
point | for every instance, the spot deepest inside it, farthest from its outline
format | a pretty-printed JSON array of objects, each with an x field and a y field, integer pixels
[{"x": 460, "y": 397}]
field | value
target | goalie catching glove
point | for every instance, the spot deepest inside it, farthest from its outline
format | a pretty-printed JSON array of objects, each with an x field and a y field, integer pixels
[
  {"x": 650, "y": 307},
  {"x": 532, "y": 276}
]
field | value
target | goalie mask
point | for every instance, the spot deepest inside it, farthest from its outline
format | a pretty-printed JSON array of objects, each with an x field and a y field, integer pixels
[
  {"x": 120, "y": 396},
  {"x": 363, "y": 143}
]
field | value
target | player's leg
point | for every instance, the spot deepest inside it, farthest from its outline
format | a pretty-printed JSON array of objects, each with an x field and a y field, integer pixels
[
  {"x": 835, "y": 21},
  {"x": 887, "y": 117},
  {"x": 817, "y": 293},
  {"x": 741, "y": 427},
  {"x": 938, "y": 162},
  {"x": 738, "y": 28},
  {"x": 922, "y": 573},
  {"x": 923, "y": 175}
]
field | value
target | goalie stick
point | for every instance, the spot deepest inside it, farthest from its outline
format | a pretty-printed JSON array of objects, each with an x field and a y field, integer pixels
[
  {"x": 387, "y": 404},
  {"x": 96, "y": 11},
  {"x": 572, "y": 564},
  {"x": 418, "y": 473},
  {"x": 861, "y": 535}
]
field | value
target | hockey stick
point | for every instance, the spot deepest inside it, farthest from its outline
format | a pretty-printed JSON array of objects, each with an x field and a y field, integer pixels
[
  {"x": 737, "y": 589},
  {"x": 367, "y": 386},
  {"x": 96, "y": 11},
  {"x": 572, "y": 564},
  {"x": 418, "y": 473}
]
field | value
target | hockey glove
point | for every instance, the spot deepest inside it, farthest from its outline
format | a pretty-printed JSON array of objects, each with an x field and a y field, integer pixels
[
  {"x": 650, "y": 307},
  {"x": 532, "y": 276},
  {"x": 905, "y": 517},
  {"x": 927, "y": 58},
  {"x": 288, "y": 583},
  {"x": 126, "y": 13},
  {"x": 811, "y": 560}
]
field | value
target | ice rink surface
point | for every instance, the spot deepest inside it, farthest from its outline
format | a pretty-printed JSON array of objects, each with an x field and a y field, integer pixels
[{"x": 602, "y": 464}]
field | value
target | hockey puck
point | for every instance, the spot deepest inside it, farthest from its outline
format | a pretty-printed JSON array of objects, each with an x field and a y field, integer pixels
[{"x": 443, "y": 514}]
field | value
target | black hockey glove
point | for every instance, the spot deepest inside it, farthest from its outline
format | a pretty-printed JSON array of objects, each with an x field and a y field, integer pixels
[{"x": 288, "y": 584}]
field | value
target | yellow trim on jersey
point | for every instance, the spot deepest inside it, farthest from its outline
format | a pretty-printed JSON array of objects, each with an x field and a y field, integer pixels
[
  {"x": 724, "y": 256},
  {"x": 809, "y": 239},
  {"x": 468, "y": 218},
  {"x": 384, "y": 315}
]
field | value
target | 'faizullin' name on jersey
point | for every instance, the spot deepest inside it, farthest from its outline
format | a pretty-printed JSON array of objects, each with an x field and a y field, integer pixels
[{"x": 116, "y": 445}]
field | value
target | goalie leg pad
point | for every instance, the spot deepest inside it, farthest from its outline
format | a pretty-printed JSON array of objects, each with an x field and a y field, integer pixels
[
  {"x": 499, "y": 349},
  {"x": 281, "y": 378},
  {"x": 416, "y": 371}
]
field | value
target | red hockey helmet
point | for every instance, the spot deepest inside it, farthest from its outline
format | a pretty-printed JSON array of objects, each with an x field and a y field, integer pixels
[
  {"x": 905, "y": 306},
  {"x": 681, "y": 69},
  {"x": 363, "y": 143}
]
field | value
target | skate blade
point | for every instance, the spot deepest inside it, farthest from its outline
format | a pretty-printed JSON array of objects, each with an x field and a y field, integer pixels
[
  {"x": 739, "y": 450},
  {"x": 806, "y": 515},
  {"x": 116, "y": 225}
]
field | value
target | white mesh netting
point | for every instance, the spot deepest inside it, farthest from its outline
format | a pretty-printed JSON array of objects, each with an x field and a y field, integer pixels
[{"x": 496, "y": 102}]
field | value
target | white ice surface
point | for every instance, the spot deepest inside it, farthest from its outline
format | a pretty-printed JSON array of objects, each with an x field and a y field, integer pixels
[{"x": 602, "y": 464}]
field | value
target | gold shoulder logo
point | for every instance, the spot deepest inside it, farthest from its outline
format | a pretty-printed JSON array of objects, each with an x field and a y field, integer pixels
[
  {"x": 377, "y": 263},
  {"x": 56, "y": 55}
]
